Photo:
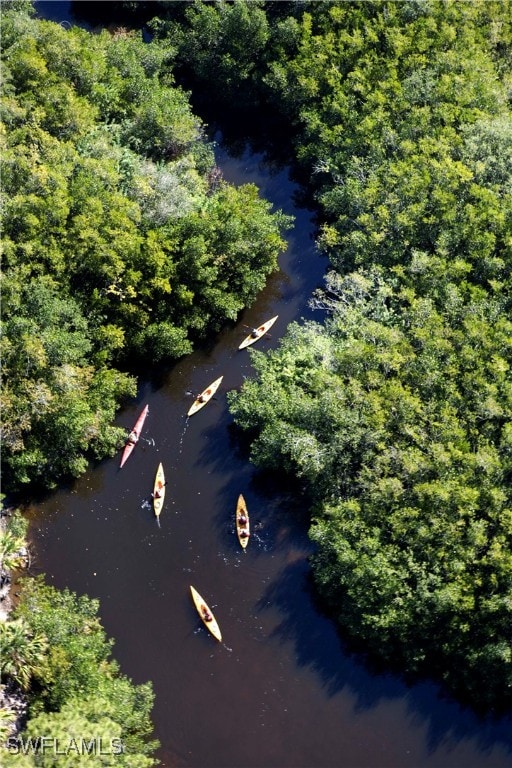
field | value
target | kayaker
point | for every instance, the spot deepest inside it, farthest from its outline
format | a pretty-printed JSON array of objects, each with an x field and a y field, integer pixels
[
  {"x": 244, "y": 533},
  {"x": 133, "y": 437},
  {"x": 206, "y": 613},
  {"x": 158, "y": 493},
  {"x": 254, "y": 333},
  {"x": 242, "y": 520}
]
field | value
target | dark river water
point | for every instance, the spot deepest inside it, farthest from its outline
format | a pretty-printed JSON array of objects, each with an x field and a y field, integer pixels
[{"x": 279, "y": 691}]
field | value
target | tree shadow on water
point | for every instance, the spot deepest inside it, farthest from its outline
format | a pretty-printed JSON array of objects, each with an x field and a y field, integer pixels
[
  {"x": 320, "y": 647},
  {"x": 279, "y": 504}
]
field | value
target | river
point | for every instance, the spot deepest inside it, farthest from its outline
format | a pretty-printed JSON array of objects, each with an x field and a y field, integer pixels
[{"x": 280, "y": 691}]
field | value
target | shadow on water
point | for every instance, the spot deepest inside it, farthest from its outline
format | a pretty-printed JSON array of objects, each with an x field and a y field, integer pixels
[
  {"x": 339, "y": 711},
  {"x": 278, "y": 497},
  {"x": 275, "y": 502},
  {"x": 319, "y": 647}
]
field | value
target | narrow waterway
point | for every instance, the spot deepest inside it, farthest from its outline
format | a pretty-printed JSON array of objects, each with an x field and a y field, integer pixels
[{"x": 280, "y": 691}]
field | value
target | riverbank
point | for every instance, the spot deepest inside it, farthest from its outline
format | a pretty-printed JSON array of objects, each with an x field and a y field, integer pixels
[
  {"x": 5, "y": 582},
  {"x": 57, "y": 663},
  {"x": 13, "y": 702},
  {"x": 14, "y": 556}
]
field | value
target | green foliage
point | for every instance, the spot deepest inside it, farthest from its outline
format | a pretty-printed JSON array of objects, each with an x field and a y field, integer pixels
[
  {"x": 13, "y": 550},
  {"x": 77, "y": 691},
  {"x": 78, "y": 648},
  {"x": 82, "y": 733},
  {"x": 7, "y": 721},
  {"x": 53, "y": 648},
  {"x": 396, "y": 412},
  {"x": 221, "y": 42},
  {"x": 399, "y": 429},
  {"x": 158, "y": 340},
  {"x": 22, "y": 652},
  {"x": 162, "y": 127},
  {"x": 77, "y": 724},
  {"x": 56, "y": 406},
  {"x": 117, "y": 245}
]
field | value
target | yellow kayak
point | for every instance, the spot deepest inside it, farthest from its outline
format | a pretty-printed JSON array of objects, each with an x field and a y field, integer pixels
[
  {"x": 159, "y": 490},
  {"x": 243, "y": 529},
  {"x": 206, "y": 615},
  {"x": 206, "y": 395},
  {"x": 257, "y": 333}
]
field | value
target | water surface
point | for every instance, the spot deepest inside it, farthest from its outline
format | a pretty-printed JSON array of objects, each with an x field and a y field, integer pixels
[{"x": 280, "y": 691}]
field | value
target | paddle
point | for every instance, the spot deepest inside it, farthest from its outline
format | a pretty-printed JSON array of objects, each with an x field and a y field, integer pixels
[
  {"x": 267, "y": 335},
  {"x": 188, "y": 392}
]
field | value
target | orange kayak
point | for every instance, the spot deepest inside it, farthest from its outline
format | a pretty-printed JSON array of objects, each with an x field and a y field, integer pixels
[{"x": 134, "y": 435}]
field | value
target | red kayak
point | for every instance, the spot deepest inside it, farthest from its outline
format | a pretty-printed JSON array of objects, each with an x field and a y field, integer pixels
[{"x": 134, "y": 435}]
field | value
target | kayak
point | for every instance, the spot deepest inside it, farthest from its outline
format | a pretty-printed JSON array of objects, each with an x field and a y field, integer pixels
[
  {"x": 203, "y": 398},
  {"x": 241, "y": 509},
  {"x": 206, "y": 615},
  {"x": 258, "y": 333},
  {"x": 159, "y": 488},
  {"x": 130, "y": 445}
]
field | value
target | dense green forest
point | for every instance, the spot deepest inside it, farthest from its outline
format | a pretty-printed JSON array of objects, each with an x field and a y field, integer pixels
[
  {"x": 395, "y": 412},
  {"x": 394, "y": 409},
  {"x": 122, "y": 244},
  {"x": 55, "y": 651}
]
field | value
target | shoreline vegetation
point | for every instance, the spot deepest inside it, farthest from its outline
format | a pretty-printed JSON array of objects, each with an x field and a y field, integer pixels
[
  {"x": 58, "y": 675},
  {"x": 14, "y": 557},
  {"x": 123, "y": 246},
  {"x": 396, "y": 411}
]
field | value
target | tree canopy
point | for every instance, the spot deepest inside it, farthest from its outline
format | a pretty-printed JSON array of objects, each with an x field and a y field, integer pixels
[
  {"x": 395, "y": 413},
  {"x": 55, "y": 647},
  {"x": 122, "y": 244}
]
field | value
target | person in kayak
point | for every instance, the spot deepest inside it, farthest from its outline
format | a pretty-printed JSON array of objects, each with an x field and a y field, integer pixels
[
  {"x": 158, "y": 493},
  {"x": 133, "y": 437},
  {"x": 206, "y": 613}
]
